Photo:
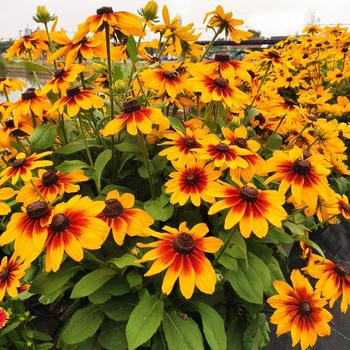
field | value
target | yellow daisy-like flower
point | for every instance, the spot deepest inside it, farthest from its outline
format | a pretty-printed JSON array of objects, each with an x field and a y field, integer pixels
[
  {"x": 192, "y": 181},
  {"x": 181, "y": 252},
  {"x": 5, "y": 193}
]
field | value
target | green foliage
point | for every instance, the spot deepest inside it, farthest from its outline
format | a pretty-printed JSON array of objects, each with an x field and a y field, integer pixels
[{"x": 43, "y": 137}]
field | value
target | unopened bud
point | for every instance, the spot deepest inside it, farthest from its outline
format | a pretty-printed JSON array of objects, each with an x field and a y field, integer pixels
[
  {"x": 43, "y": 15},
  {"x": 149, "y": 12}
]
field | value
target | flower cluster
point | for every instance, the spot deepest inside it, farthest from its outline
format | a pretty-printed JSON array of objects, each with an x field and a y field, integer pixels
[{"x": 202, "y": 164}]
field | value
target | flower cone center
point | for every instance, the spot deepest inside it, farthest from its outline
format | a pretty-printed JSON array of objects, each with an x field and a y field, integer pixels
[
  {"x": 112, "y": 209},
  {"x": 131, "y": 106},
  {"x": 37, "y": 210},
  {"x": 305, "y": 308},
  {"x": 59, "y": 222},
  {"x": 249, "y": 193},
  {"x": 49, "y": 178},
  {"x": 302, "y": 166},
  {"x": 183, "y": 243}
]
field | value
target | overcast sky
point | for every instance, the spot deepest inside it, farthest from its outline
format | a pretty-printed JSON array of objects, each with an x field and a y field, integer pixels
[{"x": 271, "y": 17}]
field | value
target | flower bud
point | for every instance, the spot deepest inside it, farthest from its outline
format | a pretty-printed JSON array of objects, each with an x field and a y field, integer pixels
[
  {"x": 149, "y": 12},
  {"x": 43, "y": 15}
]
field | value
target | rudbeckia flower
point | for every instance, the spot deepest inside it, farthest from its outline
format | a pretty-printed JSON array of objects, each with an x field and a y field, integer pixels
[
  {"x": 11, "y": 271},
  {"x": 75, "y": 225},
  {"x": 225, "y": 21},
  {"x": 136, "y": 118},
  {"x": 191, "y": 181},
  {"x": 76, "y": 99},
  {"x": 181, "y": 252},
  {"x": 87, "y": 47},
  {"x": 22, "y": 167},
  {"x": 28, "y": 229},
  {"x": 222, "y": 153},
  {"x": 177, "y": 36},
  {"x": 169, "y": 78},
  {"x": 30, "y": 101},
  {"x": 126, "y": 22},
  {"x": 333, "y": 281},
  {"x": 10, "y": 130},
  {"x": 5, "y": 193},
  {"x": 343, "y": 205},
  {"x": 35, "y": 44},
  {"x": 4, "y": 317},
  {"x": 122, "y": 218},
  {"x": 306, "y": 176},
  {"x": 10, "y": 84},
  {"x": 51, "y": 184},
  {"x": 216, "y": 88},
  {"x": 248, "y": 206},
  {"x": 300, "y": 310},
  {"x": 181, "y": 146},
  {"x": 63, "y": 78},
  {"x": 239, "y": 138}
]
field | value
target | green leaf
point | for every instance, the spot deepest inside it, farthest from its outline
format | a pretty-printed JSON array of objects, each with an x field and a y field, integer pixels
[
  {"x": 276, "y": 274},
  {"x": 43, "y": 137},
  {"x": 101, "y": 296},
  {"x": 118, "y": 310},
  {"x": 213, "y": 327},
  {"x": 144, "y": 321},
  {"x": 134, "y": 279},
  {"x": 157, "y": 211},
  {"x": 48, "y": 283},
  {"x": 278, "y": 235},
  {"x": 128, "y": 147},
  {"x": 257, "y": 334},
  {"x": 100, "y": 163},
  {"x": 82, "y": 325},
  {"x": 176, "y": 124},
  {"x": 125, "y": 261},
  {"x": 274, "y": 142},
  {"x": 309, "y": 242},
  {"x": 181, "y": 333},
  {"x": 91, "y": 282},
  {"x": 71, "y": 165},
  {"x": 117, "y": 73},
  {"x": 296, "y": 229},
  {"x": 9, "y": 328},
  {"x": 35, "y": 67},
  {"x": 76, "y": 146},
  {"x": 249, "y": 282},
  {"x": 112, "y": 336},
  {"x": 117, "y": 286},
  {"x": 131, "y": 48}
]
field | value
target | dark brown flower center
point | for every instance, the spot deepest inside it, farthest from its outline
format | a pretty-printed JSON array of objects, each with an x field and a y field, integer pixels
[
  {"x": 306, "y": 154},
  {"x": 261, "y": 119},
  {"x": 170, "y": 75},
  {"x": 73, "y": 91},
  {"x": 59, "y": 73},
  {"x": 28, "y": 94},
  {"x": 112, "y": 209},
  {"x": 131, "y": 106},
  {"x": 49, "y": 178},
  {"x": 190, "y": 142},
  {"x": 272, "y": 54},
  {"x": 340, "y": 270},
  {"x": 17, "y": 163},
  {"x": 250, "y": 194},
  {"x": 191, "y": 179},
  {"x": 9, "y": 123},
  {"x": 339, "y": 75},
  {"x": 104, "y": 10},
  {"x": 345, "y": 207},
  {"x": 59, "y": 223},
  {"x": 240, "y": 142},
  {"x": 305, "y": 308},
  {"x": 302, "y": 166},
  {"x": 312, "y": 118},
  {"x": 222, "y": 147},
  {"x": 220, "y": 82},
  {"x": 37, "y": 210},
  {"x": 344, "y": 49},
  {"x": 290, "y": 102},
  {"x": 289, "y": 79},
  {"x": 183, "y": 243},
  {"x": 222, "y": 57},
  {"x": 4, "y": 274}
]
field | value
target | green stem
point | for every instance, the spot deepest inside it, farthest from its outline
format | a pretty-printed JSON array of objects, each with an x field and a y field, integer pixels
[
  {"x": 34, "y": 73},
  {"x": 258, "y": 91},
  {"x": 88, "y": 153},
  {"x": 37, "y": 191},
  {"x": 109, "y": 65},
  {"x": 146, "y": 162},
  {"x": 223, "y": 249},
  {"x": 50, "y": 43},
  {"x": 211, "y": 43}
]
